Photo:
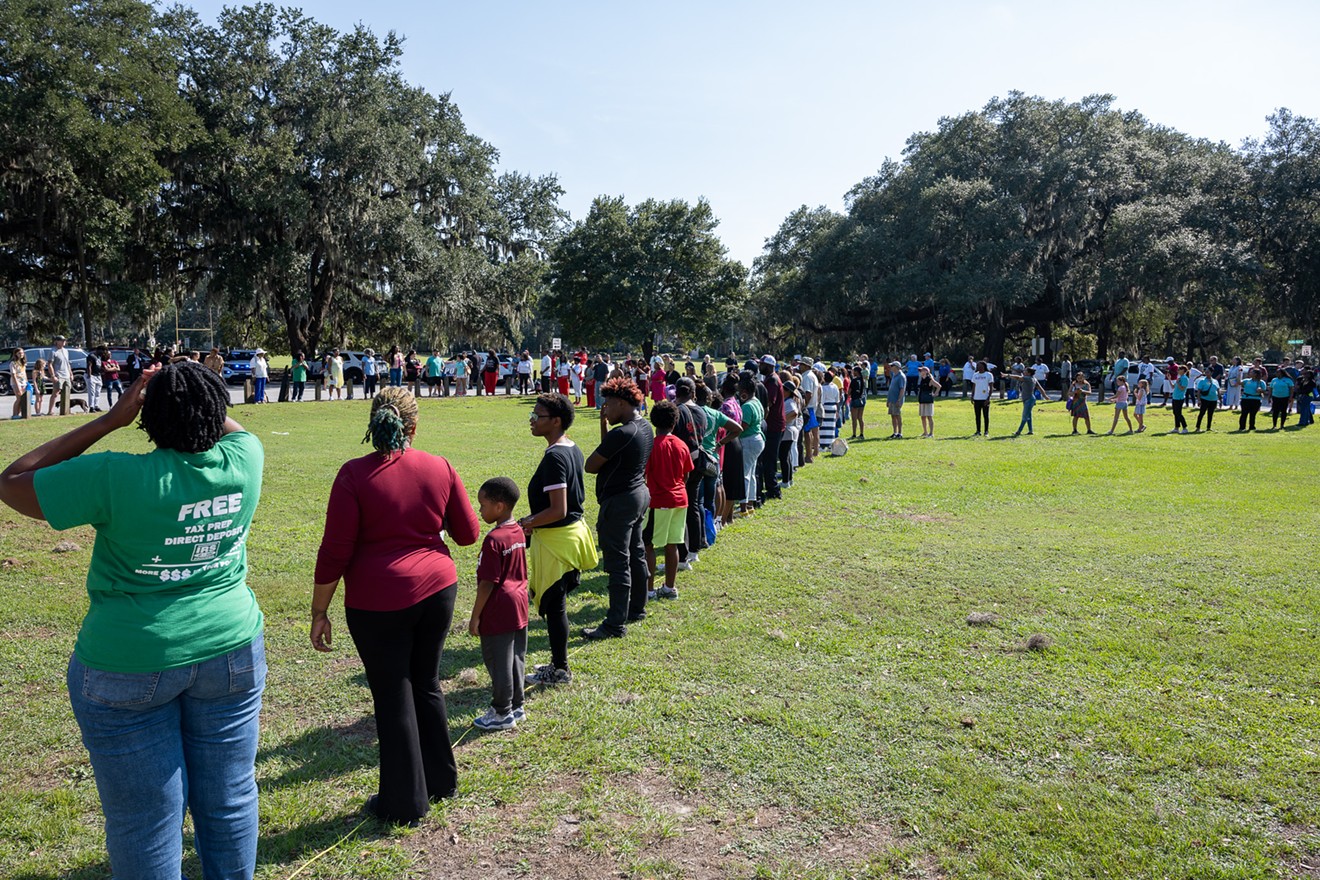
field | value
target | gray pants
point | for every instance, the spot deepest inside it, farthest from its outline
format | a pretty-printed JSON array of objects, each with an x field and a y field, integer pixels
[
  {"x": 623, "y": 554},
  {"x": 506, "y": 661}
]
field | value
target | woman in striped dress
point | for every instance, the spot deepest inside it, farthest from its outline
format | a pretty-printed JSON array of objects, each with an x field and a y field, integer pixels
[{"x": 829, "y": 402}]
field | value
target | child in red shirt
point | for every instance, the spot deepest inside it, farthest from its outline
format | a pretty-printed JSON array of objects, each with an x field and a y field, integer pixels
[
  {"x": 499, "y": 615},
  {"x": 666, "y": 475}
]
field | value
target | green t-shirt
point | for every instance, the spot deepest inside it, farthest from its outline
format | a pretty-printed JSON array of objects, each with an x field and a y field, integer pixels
[
  {"x": 300, "y": 372},
  {"x": 753, "y": 414},
  {"x": 434, "y": 366},
  {"x": 168, "y": 576},
  {"x": 714, "y": 421}
]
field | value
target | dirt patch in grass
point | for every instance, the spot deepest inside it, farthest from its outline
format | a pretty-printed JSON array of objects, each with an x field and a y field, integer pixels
[
  {"x": 29, "y": 633},
  {"x": 642, "y": 825},
  {"x": 1304, "y": 860}
]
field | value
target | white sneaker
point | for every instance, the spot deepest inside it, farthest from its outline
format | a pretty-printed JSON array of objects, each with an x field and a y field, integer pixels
[{"x": 492, "y": 720}]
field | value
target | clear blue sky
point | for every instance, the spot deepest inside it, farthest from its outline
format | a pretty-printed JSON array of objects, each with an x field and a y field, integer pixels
[{"x": 764, "y": 106}]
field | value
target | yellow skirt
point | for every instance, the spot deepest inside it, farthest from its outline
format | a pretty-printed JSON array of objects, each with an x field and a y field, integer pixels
[{"x": 554, "y": 553}]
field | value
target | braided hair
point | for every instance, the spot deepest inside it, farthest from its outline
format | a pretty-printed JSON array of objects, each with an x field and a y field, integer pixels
[
  {"x": 393, "y": 419},
  {"x": 185, "y": 408}
]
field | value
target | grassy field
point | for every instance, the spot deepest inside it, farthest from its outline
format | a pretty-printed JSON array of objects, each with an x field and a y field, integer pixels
[{"x": 815, "y": 704}]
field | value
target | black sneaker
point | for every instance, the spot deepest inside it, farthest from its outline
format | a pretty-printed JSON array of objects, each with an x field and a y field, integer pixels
[
  {"x": 547, "y": 675},
  {"x": 600, "y": 632}
]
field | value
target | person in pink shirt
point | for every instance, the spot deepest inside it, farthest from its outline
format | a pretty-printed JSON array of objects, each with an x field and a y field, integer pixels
[
  {"x": 385, "y": 528},
  {"x": 1121, "y": 403}
]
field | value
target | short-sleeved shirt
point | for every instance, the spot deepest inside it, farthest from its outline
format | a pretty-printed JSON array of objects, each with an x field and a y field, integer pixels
[
  {"x": 981, "y": 384},
  {"x": 434, "y": 366},
  {"x": 666, "y": 472},
  {"x": 168, "y": 575},
  {"x": 1208, "y": 389},
  {"x": 1180, "y": 386},
  {"x": 625, "y": 450},
  {"x": 691, "y": 426},
  {"x": 300, "y": 371},
  {"x": 752, "y": 416},
  {"x": 1252, "y": 389},
  {"x": 59, "y": 364},
  {"x": 897, "y": 388},
  {"x": 503, "y": 562},
  {"x": 1281, "y": 387},
  {"x": 561, "y": 467},
  {"x": 715, "y": 419}
]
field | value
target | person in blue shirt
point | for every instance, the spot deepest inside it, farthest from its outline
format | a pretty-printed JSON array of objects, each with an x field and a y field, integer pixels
[
  {"x": 1253, "y": 389},
  {"x": 1281, "y": 395},
  {"x": 1181, "y": 383},
  {"x": 1120, "y": 366},
  {"x": 911, "y": 369},
  {"x": 1207, "y": 392}
]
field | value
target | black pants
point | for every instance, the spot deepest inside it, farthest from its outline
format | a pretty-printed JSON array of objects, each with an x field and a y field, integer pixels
[
  {"x": 1208, "y": 412},
  {"x": 554, "y": 608},
  {"x": 505, "y": 656},
  {"x": 1279, "y": 411},
  {"x": 623, "y": 553},
  {"x": 524, "y": 381},
  {"x": 400, "y": 651},
  {"x": 982, "y": 410},
  {"x": 1178, "y": 420},
  {"x": 369, "y": 385},
  {"x": 769, "y": 464},
  {"x": 695, "y": 524},
  {"x": 1247, "y": 418},
  {"x": 298, "y": 388},
  {"x": 786, "y": 450}
]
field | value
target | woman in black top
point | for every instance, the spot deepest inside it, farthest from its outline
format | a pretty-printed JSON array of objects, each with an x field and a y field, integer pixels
[
  {"x": 560, "y": 545},
  {"x": 619, "y": 464}
]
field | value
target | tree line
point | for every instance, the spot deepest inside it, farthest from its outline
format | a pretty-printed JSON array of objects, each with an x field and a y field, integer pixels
[
  {"x": 1045, "y": 218},
  {"x": 277, "y": 169},
  {"x": 285, "y": 176}
]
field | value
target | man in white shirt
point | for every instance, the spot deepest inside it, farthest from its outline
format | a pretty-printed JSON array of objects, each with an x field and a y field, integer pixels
[
  {"x": 968, "y": 369},
  {"x": 547, "y": 372},
  {"x": 61, "y": 370},
  {"x": 260, "y": 372}
]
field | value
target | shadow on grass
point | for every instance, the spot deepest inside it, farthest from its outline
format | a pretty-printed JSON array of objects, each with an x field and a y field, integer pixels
[
  {"x": 98, "y": 871},
  {"x": 321, "y": 753}
]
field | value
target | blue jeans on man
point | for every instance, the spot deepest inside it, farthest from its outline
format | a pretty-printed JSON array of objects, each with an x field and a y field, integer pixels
[{"x": 163, "y": 742}]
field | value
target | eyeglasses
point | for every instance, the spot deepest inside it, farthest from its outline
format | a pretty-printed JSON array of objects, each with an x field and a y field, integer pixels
[{"x": 534, "y": 416}]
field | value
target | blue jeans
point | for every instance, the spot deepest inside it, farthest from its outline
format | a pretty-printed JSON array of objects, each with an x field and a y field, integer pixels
[
  {"x": 1028, "y": 404},
  {"x": 396, "y": 377},
  {"x": 160, "y": 741}
]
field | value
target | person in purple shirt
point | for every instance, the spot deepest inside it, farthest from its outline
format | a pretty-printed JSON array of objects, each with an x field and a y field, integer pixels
[{"x": 774, "y": 427}]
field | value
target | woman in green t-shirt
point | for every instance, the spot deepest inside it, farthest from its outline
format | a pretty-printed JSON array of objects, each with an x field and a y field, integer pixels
[{"x": 168, "y": 669}]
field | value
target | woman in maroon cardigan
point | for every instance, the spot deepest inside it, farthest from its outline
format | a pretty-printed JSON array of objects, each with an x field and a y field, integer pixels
[{"x": 383, "y": 538}]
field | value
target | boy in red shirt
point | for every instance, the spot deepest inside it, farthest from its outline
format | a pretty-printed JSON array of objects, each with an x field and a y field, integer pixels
[
  {"x": 666, "y": 475},
  {"x": 499, "y": 615}
]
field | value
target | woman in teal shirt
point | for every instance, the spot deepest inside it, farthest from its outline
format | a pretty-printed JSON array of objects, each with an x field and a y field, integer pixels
[
  {"x": 1281, "y": 395},
  {"x": 752, "y": 437},
  {"x": 168, "y": 668},
  {"x": 1253, "y": 387}
]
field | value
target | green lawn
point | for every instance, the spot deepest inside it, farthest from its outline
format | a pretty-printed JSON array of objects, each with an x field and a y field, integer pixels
[{"x": 815, "y": 704}]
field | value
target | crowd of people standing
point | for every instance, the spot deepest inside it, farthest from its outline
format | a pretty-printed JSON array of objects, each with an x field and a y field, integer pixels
[{"x": 173, "y": 638}]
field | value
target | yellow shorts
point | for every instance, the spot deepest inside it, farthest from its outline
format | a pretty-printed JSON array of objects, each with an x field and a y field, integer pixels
[{"x": 668, "y": 526}]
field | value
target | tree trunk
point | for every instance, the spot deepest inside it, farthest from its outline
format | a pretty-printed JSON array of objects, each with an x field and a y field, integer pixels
[
  {"x": 994, "y": 335},
  {"x": 648, "y": 347},
  {"x": 85, "y": 305}
]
